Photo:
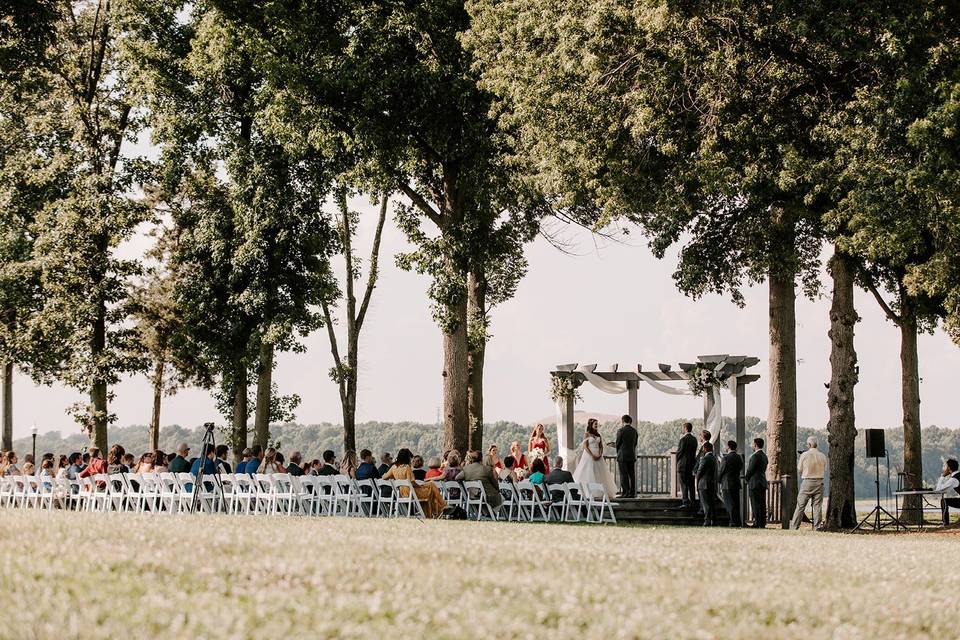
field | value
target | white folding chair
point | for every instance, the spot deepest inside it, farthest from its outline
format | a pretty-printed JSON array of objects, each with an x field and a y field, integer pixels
[
  {"x": 284, "y": 499},
  {"x": 6, "y": 491},
  {"x": 101, "y": 492},
  {"x": 304, "y": 493},
  {"x": 264, "y": 501},
  {"x": 150, "y": 487},
  {"x": 244, "y": 494},
  {"x": 386, "y": 498},
  {"x": 46, "y": 492},
  {"x": 477, "y": 499},
  {"x": 169, "y": 492},
  {"x": 405, "y": 501},
  {"x": 532, "y": 503},
  {"x": 511, "y": 501},
  {"x": 599, "y": 506},
  {"x": 454, "y": 493},
  {"x": 367, "y": 497},
  {"x": 346, "y": 498}
]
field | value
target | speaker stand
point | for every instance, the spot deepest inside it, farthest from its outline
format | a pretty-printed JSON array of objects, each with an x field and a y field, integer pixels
[{"x": 872, "y": 519}]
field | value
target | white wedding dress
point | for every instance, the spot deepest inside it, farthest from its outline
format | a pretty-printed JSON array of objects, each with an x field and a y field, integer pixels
[{"x": 590, "y": 470}]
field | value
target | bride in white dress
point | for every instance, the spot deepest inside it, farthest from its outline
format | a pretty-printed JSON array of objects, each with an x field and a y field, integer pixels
[{"x": 591, "y": 467}]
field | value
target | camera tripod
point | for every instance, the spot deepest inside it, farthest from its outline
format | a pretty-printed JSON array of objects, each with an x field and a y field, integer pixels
[{"x": 209, "y": 444}]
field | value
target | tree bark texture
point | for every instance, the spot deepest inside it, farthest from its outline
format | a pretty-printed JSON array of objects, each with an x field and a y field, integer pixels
[
  {"x": 157, "y": 400},
  {"x": 238, "y": 430},
  {"x": 6, "y": 413},
  {"x": 910, "y": 391},
  {"x": 476, "y": 313},
  {"x": 782, "y": 420},
  {"x": 842, "y": 427},
  {"x": 261, "y": 423},
  {"x": 456, "y": 376}
]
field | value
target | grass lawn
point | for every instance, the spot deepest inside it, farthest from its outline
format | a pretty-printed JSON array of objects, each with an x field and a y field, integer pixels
[{"x": 69, "y": 575}]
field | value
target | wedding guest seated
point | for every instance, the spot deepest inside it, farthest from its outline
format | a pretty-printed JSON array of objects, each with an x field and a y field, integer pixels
[
  {"x": 209, "y": 461},
  {"x": 9, "y": 465},
  {"x": 453, "y": 465},
  {"x": 427, "y": 492},
  {"x": 222, "y": 465},
  {"x": 180, "y": 464},
  {"x": 315, "y": 466},
  {"x": 255, "y": 460},
  {"x": 386, "y": 460},
  {"x": 129, "y": 462},
  {"x": 46, "y": 470},
  {"x": 268, "y": 465},
  {"x": 418, "y": 471},
  {"x": 366, "y": 470},
  {"x": 329, "y": 467},
  {"x": 96, "y": 465},
  {"x": 538, "y": 471},
  {"x": 558, "y": 475},
  {"x": 294, "y": 468},
  {"x": 28, "y": 468},
  {"x": 507, "y": 473},
  {"x": 75, "y": 461},
  {"x": 245, "y": 458},
  {"x": 159, "y": 461},
  {"x": 348, "y": 466},
  {"x": 115, "y": 460},
  {"x": 476, "y": 470},
  {"x": 949, "y": 483},
  {"x": 278, "y": 463},
  {"x": 433, "y": 469},
  {"x": 145, "y": 464}
]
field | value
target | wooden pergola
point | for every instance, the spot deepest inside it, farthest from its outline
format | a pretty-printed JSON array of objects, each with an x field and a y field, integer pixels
[{"x": 725, "y": 366}]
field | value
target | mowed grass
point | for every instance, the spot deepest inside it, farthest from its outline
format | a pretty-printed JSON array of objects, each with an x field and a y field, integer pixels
[{"x": 70, "y": 575}]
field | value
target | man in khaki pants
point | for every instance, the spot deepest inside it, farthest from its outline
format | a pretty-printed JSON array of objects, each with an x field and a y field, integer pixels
[{"x": 811, "y": 466}]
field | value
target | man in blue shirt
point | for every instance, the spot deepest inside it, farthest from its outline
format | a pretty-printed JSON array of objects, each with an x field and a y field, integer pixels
[
  {"x": 256, "y": 458},
  {"x": 209, "y": 460},
  {"x": 385, "y": 461},
  {"x": 76, "y": 465},
  {"x": 246, "y": 455},
  {"x": 367, "y": 470}
]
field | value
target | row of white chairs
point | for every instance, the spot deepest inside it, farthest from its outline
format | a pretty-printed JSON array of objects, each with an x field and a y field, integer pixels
[{"x": 337, "y": 495}]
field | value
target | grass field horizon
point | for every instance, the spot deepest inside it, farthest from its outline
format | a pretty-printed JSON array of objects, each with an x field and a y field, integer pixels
[{"x": 67, "y": 575}]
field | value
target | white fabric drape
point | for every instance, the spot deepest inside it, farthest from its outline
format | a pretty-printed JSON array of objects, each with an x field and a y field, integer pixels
[{"x": 600, "y": 383}]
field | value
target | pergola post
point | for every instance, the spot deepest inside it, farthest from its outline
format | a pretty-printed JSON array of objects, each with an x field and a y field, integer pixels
[
  {"x": 742, "y": 444},
  {"x": 632, "y": 386},
  {"x": 565, "y": 441},
  {"x": 708, "y": 403}
]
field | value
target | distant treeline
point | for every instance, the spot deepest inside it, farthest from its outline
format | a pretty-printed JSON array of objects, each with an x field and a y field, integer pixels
[{"x": 655, "y": 438}]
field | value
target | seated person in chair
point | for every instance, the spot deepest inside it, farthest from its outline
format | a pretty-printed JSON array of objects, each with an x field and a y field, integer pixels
[
  {"x": 476, "y": 470},
  {"x": 949, "y": 484}
]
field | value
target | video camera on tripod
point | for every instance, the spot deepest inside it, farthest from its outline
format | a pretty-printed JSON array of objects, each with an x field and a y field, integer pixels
[{"x": 208, "y": 445}]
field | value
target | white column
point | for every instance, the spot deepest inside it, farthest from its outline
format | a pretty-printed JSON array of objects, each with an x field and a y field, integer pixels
[
  {"x": 566, "y": 445},
  {"x": 632, "y": 386}
]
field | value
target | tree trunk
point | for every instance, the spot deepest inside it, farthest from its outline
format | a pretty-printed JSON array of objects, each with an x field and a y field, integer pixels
[
  {"x": 261, "y": 424},
  {"x": 349, "y": 400},
  {"x": 842, "y": 427},
  {"x": 456, "y": 379},
  {"x": 238, "y": 430},
  {"x": 6, "y": 413},
  {"x": 157, "y": 398},
  {"x": 477, "y": 332},
  {"x": 910, "y": 390},
  {"x": 782, "y": 421},
  {"x": 98, "y": 390}
]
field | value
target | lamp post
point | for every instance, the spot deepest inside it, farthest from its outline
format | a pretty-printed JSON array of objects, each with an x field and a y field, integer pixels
[{"x": 33, "y": 432}]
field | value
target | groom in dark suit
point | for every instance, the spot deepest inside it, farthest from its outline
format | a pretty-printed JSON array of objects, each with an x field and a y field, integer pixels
[
  {"x": 686, "y": 460},
  {"x": 627, "y": 458}
]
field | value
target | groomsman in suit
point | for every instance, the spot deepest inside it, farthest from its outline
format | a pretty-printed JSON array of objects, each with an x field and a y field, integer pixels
[
  {"x": 756, "y": 477},
  {"x": 730, "y": 472},
  {"x": 627, "y": 458},
  {"x": 686, "y": 459},
  {"x": 707, "y": 483}
]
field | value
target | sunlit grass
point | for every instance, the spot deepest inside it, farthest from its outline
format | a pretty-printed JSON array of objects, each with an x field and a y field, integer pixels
[{"x": 124, "y": 575}]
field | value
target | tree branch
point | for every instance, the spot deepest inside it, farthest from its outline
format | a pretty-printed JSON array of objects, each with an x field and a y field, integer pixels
[
  {"x": 373, "y": 273},
  {"x": 872, "y": 288},
  {"x": 420, "y": 202},
  {"x": 334, "y": 349}
]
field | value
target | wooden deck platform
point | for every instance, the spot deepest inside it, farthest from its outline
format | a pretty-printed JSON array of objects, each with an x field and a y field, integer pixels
[{"x": 661, "y": 510}]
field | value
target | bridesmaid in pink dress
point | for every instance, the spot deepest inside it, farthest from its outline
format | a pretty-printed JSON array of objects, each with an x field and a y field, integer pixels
[{"x": 539, "y": 441}]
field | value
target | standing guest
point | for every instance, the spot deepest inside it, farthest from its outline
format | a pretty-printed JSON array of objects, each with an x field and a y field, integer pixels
[
  {"x": 453, "y": 466},
  {"x": 418, "y": 471},
  {"x": 729, "y": 478},
  {"x": 294, "y": 468},
  {"x": 222, "y": 465},
  {"x": 329, "y": 467},
  {"x": 558, "y": 475},
  {"x": 475, "y": 470},
  {"x": 707, "y": 483},
  {"x": 348, "y": 466},
  {"x": 539, "y": 441},
  {"x": 255, "y": 460},
  {"x": 494, "y": 454},
  {"x": 96, "y": 465},
  {"x": 507, "y": 473},
  {"x": 180, "y": 464},
  {"x": 8, "y": 467},
  {"x": 245, "y": 458},
  {"x": 626, "y": 445},
  {"x": 159, "y": 461},
  {"x": 756, "y": 477},
  {"x": 537, "y": 471},
  {"x": 75, "y": 462},
  {"x": 811, "y": 467},
  {"x": 949, "y": 484},
  {"x": 686, "y": 460},
  {"x": 427, "y": 492},
  {"x": 367, "y": 470},
  {"x": 519, "y": 460},
  {"x": 433, "y": 469},
  {"x": 386, "y": 460}
]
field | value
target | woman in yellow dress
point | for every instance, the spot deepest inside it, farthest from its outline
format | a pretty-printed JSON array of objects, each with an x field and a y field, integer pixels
[{"x": 427, "y": 492}]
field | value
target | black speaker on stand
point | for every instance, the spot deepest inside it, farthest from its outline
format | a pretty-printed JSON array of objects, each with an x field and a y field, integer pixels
[{"x": 876, "y": 449}]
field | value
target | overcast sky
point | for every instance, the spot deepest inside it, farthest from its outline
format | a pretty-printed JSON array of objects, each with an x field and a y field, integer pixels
[{"x": 614, "y": 302}]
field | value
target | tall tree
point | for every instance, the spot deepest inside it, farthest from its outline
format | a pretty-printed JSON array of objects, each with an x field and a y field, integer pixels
[
  {"x": 85, "y": 310},
  {"x": 345, "y": 370},
  {"x": 250, "y": 264}
]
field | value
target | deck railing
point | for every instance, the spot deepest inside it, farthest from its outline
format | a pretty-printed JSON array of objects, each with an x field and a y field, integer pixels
[{"x": 656, "y": 475}]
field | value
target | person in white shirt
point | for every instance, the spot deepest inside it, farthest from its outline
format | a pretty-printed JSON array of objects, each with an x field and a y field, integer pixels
[
  {"x": 811, "y": 467},
  {"x": 949, "y": 484}
]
